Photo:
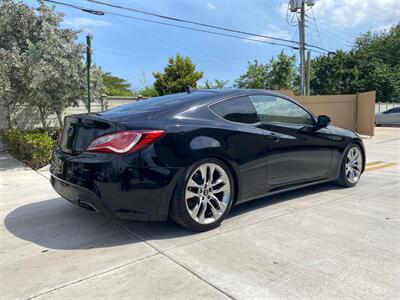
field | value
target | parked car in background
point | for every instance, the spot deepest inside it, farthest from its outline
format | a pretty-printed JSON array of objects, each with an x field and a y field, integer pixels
[
  {"x": 389, "y": 117},
  {"x": 192, "y": 156}
]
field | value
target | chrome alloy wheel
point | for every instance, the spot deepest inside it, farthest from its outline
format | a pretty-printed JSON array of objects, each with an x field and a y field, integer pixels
[
  {"x": 207, "y": 193},
  {"x": 353, "y": 166}
]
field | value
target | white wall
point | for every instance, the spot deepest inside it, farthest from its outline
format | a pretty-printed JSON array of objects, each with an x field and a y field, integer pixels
[
  {"x": 380, "y": 107},
  {"x": 27, "y": 117}
]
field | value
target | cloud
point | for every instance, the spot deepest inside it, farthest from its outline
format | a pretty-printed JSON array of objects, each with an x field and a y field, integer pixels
[
  {"x": 211, "y": 6},
  {"x": 351, "y": 13},
  {"x": 274, "y": 31},
  {"x": 85, "y": 22}
]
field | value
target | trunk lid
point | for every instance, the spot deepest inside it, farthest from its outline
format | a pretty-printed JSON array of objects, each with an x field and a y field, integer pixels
[{"x": 80, "y": 130}]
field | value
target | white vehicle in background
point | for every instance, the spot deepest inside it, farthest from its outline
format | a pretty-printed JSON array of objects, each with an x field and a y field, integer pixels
[{"x": 389, "y": 117}]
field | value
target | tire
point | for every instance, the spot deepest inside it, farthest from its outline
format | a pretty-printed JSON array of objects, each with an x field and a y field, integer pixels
[
  {"x": 201, "y": 204},
  {"x": 348, "y": 166}
]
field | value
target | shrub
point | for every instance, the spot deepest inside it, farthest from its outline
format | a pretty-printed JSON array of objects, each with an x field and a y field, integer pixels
[
  {"x": 33, "y": 147},
  {"x": 52, "y": 132}
]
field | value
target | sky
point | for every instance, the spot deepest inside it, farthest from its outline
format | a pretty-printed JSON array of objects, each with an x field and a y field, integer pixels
[{"x": 133, "y": 49}]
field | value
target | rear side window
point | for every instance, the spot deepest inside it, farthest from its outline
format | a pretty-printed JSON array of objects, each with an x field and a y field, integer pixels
[{"x": 239, "y": 110}]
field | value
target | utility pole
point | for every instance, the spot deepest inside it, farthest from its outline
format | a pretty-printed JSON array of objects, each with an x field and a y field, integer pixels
[
  {"x": 299, "y": 6},
  {"x": 88, "y": 63},
  {"x": 308, "y": 75},
  {"x": 302, "y": 47}
]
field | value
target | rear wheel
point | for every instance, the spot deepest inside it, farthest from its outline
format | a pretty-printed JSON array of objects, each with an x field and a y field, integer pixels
[
  {"x": 351, "y": 168},
  {"x": 203, "y": 196}
]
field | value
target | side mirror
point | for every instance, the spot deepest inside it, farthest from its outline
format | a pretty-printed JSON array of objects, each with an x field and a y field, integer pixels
[{"x": 323, "y": 121}]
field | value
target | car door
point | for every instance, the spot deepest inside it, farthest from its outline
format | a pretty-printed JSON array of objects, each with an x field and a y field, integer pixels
[
  {"x": 245, "y": 144},
  {"x": 297, "y": 151},
  {"x": 392, "y": 116}
]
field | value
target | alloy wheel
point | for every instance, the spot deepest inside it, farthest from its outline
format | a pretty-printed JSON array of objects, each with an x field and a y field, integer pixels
[
  {"x": 207, "y": 193},
  {"x": 353, "y": 165}
]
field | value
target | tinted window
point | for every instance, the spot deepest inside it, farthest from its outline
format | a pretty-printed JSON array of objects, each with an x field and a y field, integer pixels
[
  {"x": 274, "y": 109},
  {"x": 160, "y": 103},
  {"x": 237, "y": 110},
  {"x": 393, "y": 110}
]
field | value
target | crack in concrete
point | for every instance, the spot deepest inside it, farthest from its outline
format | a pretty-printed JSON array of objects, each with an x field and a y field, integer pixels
[
  {"x": 226, "y": 294},
  {"x": 163, "y": 253}
]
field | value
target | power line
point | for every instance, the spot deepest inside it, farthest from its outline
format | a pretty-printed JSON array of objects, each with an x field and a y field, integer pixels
[
  {"x": 316, "y": 27},
  {"x": 189, "y": 21},
  {"x": 330, "y": 34},
  {"x": 190, "y": 28},
  {"x": 102, "y": 12},
  {"x": 204, "y": 24},
  {"x": 129, "y": 54},
  {"x": 219, "y": 58},
  {"x": 329, "y": 25}
]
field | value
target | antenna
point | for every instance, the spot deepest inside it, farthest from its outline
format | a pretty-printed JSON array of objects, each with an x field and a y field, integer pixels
[{"x": 189, "y": 89}]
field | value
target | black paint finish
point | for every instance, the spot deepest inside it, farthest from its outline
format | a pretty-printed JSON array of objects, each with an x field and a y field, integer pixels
[{"x": 264, "y": 158}]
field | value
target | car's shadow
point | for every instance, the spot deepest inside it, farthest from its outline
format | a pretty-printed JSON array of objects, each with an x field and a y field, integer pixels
[{"x": 56, "y": 224}]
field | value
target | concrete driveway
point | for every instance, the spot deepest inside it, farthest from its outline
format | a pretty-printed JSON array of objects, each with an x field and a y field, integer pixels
[{"x": 321, "y": 242}]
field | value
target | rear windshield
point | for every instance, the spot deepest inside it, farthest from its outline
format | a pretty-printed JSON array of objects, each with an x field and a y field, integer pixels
[{"x": 159, "y": 103}]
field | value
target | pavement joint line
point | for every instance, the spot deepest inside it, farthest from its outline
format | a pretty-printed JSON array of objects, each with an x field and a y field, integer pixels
[
  {"x": 266, "y": 219},
  {"x": 295, "y": 211},
  {"x": 144, "y": 240},
  {"x": 159, "y": 251},
  {"x": 92, "y": 276}
]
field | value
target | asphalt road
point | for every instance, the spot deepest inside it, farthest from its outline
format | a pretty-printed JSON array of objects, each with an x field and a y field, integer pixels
[{"x": 321, "y": 242}]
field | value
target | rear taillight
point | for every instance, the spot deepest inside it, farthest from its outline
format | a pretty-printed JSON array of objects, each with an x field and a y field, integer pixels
[{"x": 123, "y": 142}]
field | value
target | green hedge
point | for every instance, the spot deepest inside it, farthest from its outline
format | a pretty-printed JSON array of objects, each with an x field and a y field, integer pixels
[{"x": 33, "y": 147}]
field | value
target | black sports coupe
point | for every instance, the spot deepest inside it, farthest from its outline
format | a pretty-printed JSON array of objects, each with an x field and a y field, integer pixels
[{"x": 191, "y": 156}]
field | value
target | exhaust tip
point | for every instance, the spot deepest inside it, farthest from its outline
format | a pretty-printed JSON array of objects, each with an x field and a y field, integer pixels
[{"x": 87, "y": 206}]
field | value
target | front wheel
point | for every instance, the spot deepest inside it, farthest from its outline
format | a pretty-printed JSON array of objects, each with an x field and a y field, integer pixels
[
  {"x": 351, "y": 167},
  {"x": 203, "y": 196}
]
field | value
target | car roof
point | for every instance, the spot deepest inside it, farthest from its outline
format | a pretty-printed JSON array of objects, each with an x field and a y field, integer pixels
[{"x": 180, "y": 101}]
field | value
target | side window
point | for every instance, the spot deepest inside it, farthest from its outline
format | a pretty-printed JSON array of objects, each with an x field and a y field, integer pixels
[
  {"x": 239, "y": 110},
  {"x": 393, "y": 110},
  {"x": 274, "y": 109}
]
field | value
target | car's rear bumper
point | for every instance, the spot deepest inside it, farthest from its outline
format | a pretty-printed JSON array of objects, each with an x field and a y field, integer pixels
[{"x": 113, "y": 185}]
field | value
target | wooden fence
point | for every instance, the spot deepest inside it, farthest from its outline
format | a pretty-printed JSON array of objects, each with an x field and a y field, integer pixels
[{"x": 355, "y": 112}]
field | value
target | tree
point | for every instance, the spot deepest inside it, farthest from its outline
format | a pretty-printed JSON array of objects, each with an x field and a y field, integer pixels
[
  {"x": 46, "y": 68},
  {"x": 14, "y": 33},
  {"x": 115, "y": 86},
  {"x": 57, "y": 74},
  {"x": 372, "y": 64},
  {"x": 256, "y": 76},
  {"x": 9, "y": 63},
  {"x": 335, "y": 74},
  {"x": 279, "y": 73},
  {"x": 282, "y": 74},
  {"x": 178, "y": 74},
  {"x": 216, "y": 84}
]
